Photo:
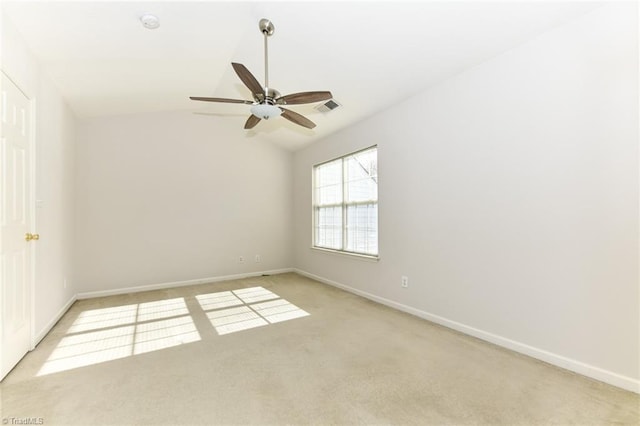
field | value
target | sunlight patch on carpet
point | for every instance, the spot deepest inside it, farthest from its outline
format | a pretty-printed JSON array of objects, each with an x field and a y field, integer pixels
[
  {"x": 111, "y": 333},
  {"x": 107, "y": 334},
  {"x": 237, "y": 310}
]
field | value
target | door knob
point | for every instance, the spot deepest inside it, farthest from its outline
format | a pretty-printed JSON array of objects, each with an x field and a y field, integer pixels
[{"x": 29, "y": 237}]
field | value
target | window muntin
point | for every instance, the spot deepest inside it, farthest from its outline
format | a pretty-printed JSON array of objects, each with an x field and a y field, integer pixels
[{"x": 346, "y": 203}]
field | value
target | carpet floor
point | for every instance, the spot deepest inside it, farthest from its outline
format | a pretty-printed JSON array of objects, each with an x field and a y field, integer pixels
[{"x": 285, "y": 349}]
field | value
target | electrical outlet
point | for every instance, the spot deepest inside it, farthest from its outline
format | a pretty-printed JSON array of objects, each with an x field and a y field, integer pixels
[
  {"x": 241, "y": 259},
  {"x": 405, "y": 281},
  {"x": 258, "y": 258}
]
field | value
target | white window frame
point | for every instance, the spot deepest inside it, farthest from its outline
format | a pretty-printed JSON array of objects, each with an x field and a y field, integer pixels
[{"x": 344, "y": 205}]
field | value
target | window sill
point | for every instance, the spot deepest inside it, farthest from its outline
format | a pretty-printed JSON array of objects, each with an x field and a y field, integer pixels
[{"x": 364, "y": 257}]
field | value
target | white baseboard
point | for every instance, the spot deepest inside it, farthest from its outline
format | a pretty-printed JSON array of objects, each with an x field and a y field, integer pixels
[
  {"x": 47, "y": 328},
  {"x": 149, "y": 287},
  {"x": 591, "y": 371}
]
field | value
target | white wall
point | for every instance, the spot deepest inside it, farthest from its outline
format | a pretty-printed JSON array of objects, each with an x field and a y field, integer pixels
[
  {"x": 55, "y": 175},
  {"x": 16, "y": 60},
  {"x": 509, "y": 196},
  {"x": 168, "y": 197}
]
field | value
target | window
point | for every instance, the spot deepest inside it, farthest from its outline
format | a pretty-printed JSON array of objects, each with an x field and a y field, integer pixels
[{"x": 345, "y": 203}]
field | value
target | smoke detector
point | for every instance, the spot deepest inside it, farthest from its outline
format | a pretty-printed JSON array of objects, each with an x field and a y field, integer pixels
[{"x": 150, "y": 21}]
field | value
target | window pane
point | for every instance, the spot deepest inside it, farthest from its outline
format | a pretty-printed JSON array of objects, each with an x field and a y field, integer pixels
[
  {"x": 329, "y": 227},
  {"x": 331, "y": 194},
  {"x": 361, "y": 190},
  {"x": 361, "y": 177},
  {"x": 362, "y": 228},
  {"x": 328, "y": 181},
  {"x": 329, "y": 173}
]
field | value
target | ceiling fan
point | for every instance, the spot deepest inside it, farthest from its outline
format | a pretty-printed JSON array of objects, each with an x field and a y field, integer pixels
[{"x": 267, "y": 101}]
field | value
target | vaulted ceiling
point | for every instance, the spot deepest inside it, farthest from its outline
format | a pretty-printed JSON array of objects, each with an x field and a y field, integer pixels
[{"x": 370, "y": 54}]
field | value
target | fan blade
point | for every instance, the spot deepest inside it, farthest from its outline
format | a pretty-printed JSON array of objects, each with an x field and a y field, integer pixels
[
  {"x": 294, "y": 117},
  {"x": 304, "y": 98},
  {"x": 248, "y": 79},
  {"x": 229, "y": 101},
  {"x": 251, "y": 122}
]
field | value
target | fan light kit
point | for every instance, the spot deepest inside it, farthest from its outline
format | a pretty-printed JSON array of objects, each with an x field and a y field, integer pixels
[
  {"x": 265, "y": 111},
  {"x": 266, "y": 100}
]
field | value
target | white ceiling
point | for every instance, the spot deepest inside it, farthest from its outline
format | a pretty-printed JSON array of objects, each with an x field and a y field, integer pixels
[{"x": 370, "y": 54}]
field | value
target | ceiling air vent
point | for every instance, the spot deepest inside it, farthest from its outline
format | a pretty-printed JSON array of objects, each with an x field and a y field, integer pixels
[{"x": 330, "y": 105}]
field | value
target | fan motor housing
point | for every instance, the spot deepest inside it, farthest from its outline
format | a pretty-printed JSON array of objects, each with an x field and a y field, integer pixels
[{"x": 270, "y": 98}]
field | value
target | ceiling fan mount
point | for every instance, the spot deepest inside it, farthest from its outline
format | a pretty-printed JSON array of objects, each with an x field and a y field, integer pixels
[
  {"x": 267, "y": 101},
  {"x": 266, "y": 27}
]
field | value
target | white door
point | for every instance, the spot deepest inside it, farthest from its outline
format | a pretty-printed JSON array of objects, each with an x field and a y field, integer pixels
[{"x": 15, "y": 222}]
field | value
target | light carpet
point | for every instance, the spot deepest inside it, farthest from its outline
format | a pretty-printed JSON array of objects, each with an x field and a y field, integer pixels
[{"x": 285, "y": 349}]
